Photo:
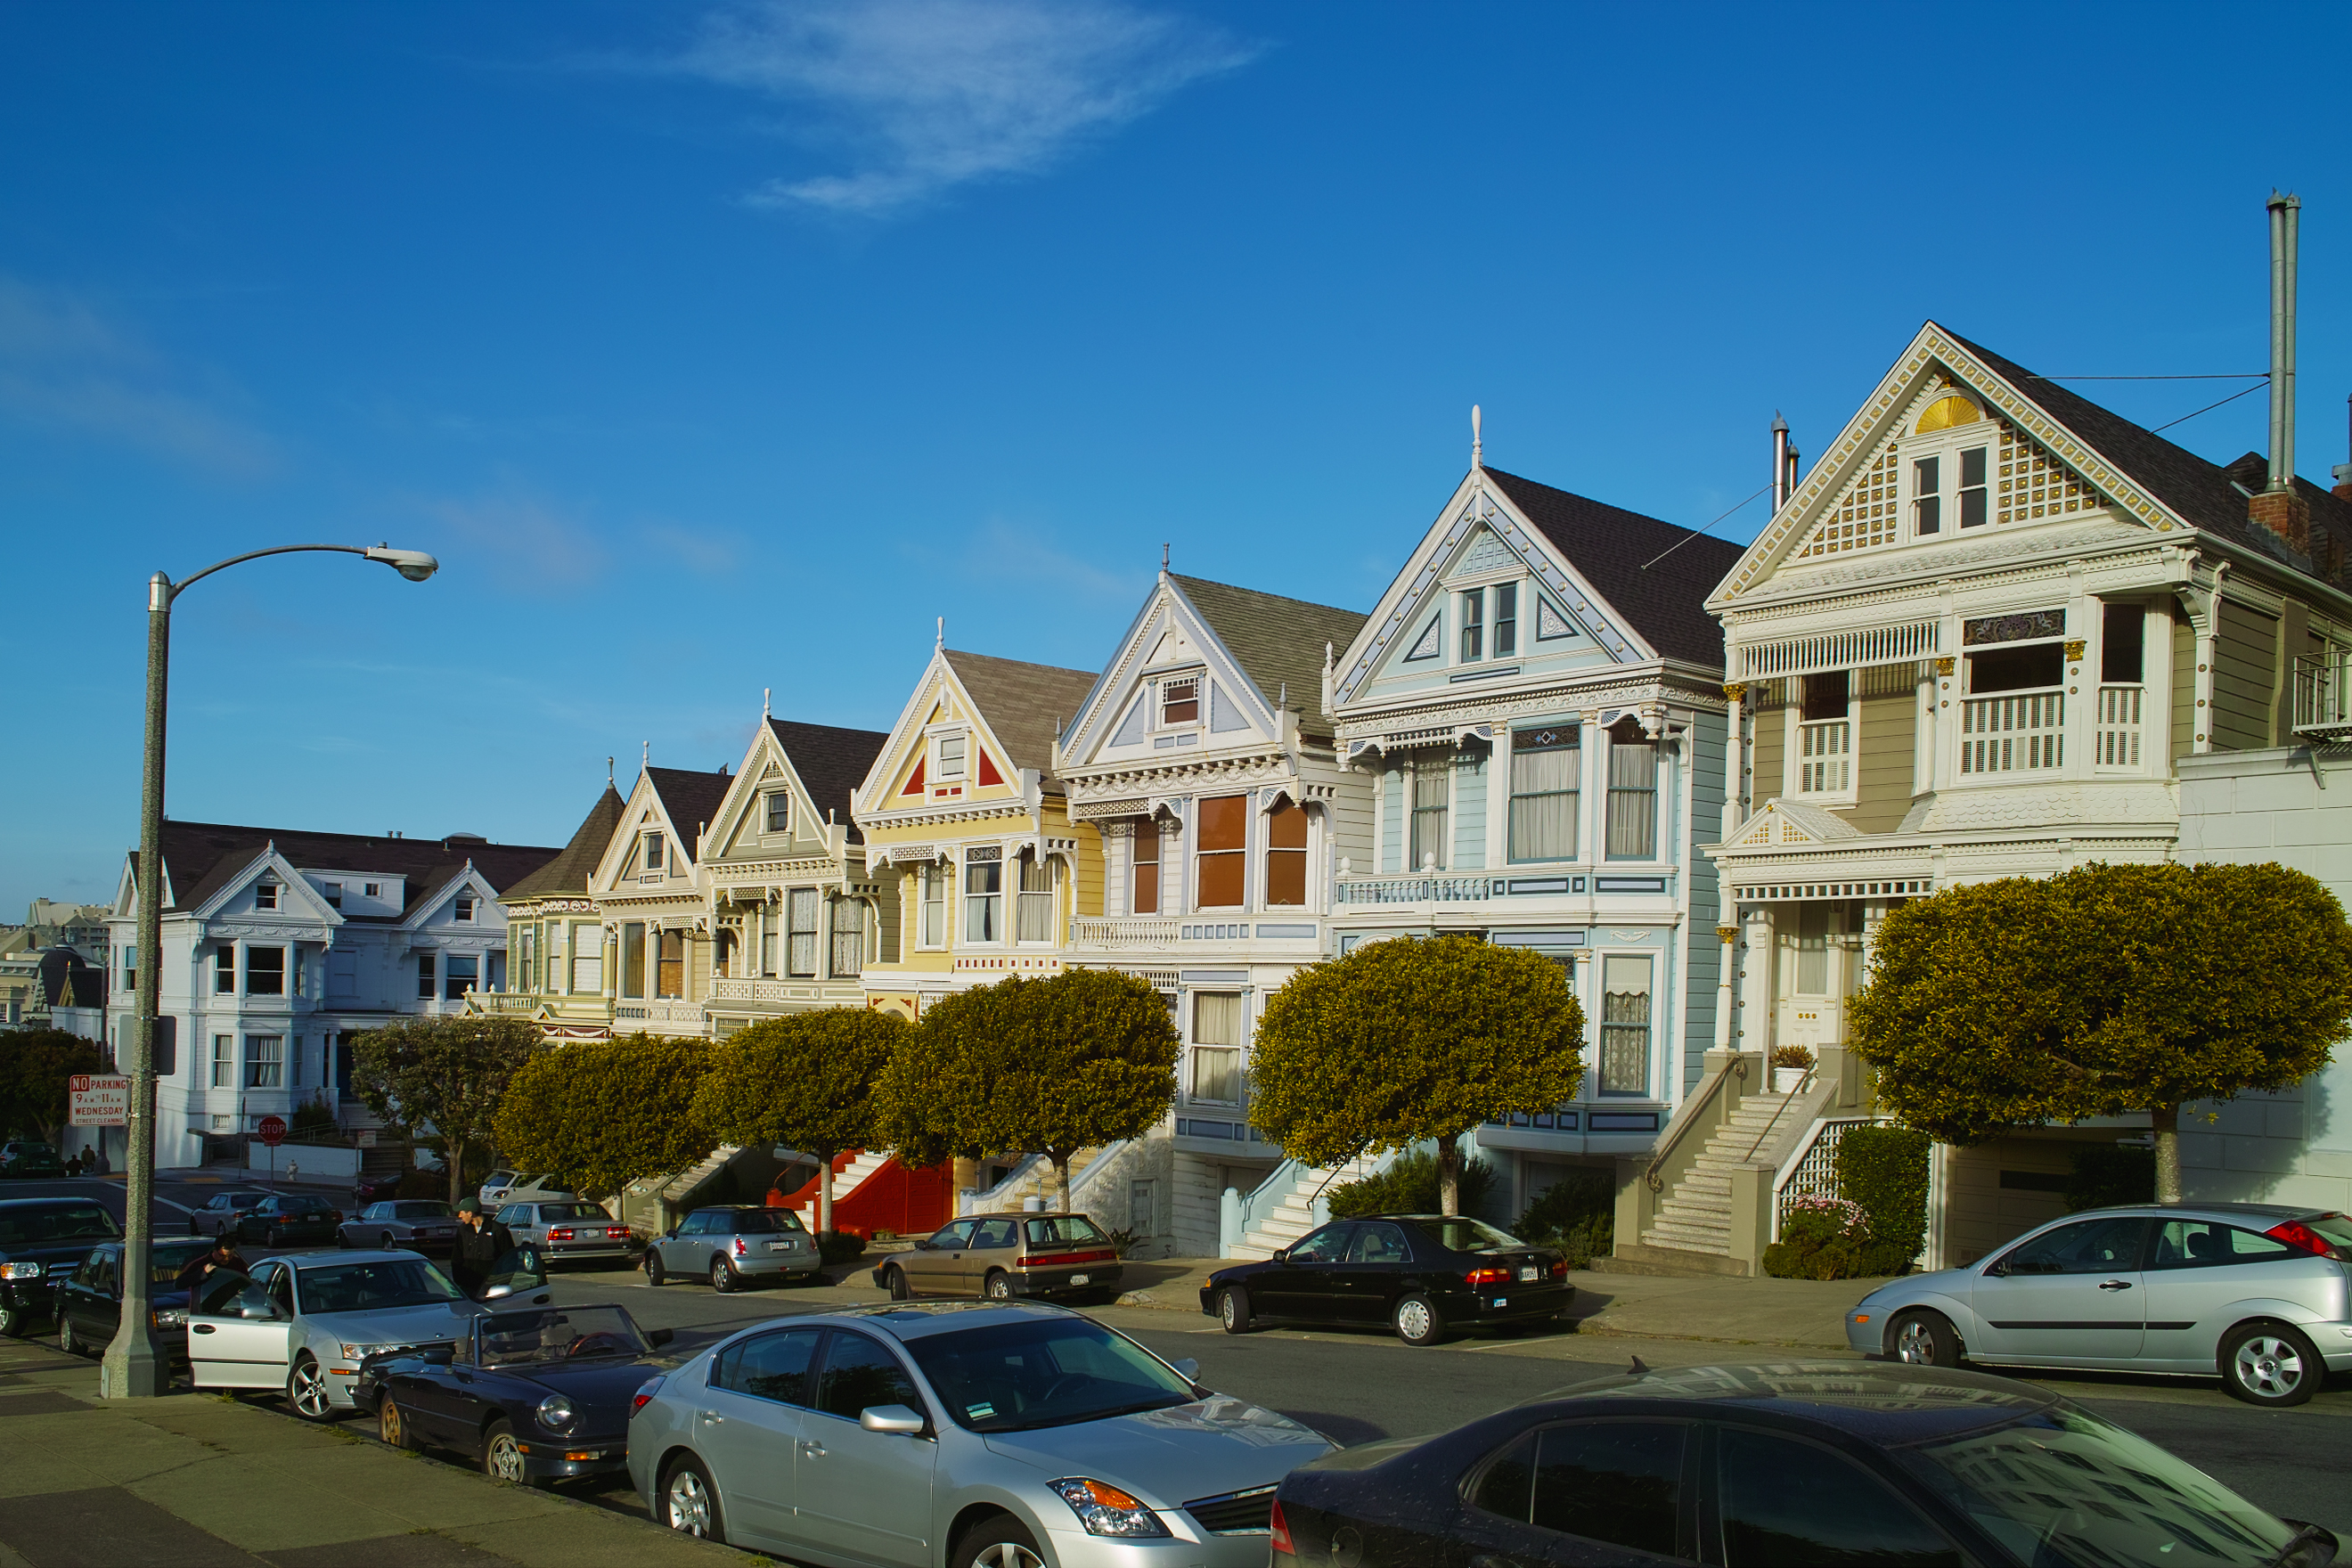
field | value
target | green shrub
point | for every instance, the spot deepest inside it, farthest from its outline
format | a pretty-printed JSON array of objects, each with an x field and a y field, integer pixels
[
  {"x": 1577, "y": 1213},
  {"x": 1884, "y": 1170},
  {"x": 1827, "y": 1239},
  {"x": 840, "y": 1246},
  {"x": 1791, "y": 1057},
  {"x": 1410, "y": 1186},
  {"x": 2108, "y": 1173},
  {"x": 312, "y": 1116}
]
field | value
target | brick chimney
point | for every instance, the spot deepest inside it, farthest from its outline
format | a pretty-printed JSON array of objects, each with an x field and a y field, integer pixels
[{"x": 2278, "y": 507}]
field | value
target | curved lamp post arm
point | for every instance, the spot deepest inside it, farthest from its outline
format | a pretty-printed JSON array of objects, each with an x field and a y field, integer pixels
[{"x": 412, "y": 565}]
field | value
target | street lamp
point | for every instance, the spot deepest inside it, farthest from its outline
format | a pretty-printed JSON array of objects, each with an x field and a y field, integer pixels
[{"x": 134, "y": 1367}]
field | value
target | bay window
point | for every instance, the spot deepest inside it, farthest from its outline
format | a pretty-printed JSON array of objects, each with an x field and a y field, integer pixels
[
  {"x": 1219, "y": 1019},
  {"x": 425, "y": 977},
  {"x": 1034, "y": 916},
  {"x": 848, "y": 937},
  {"x": 984, "y": 895},
  {"x": 462, "y": 974},
  {"x": 1431, "y": 796},
  {"x": 933, "y": 930},
  {"x": 669, "y": 977},
  {"x": 264, "y": 1061},
  {"x": 632, "y": 960},
  {"x": 1625, "y": 1025},
  {"x": 1143, "y": 868},
  {"x": 1222, "y": 858},
  {"x": 1546, "y": 765},
  {"x": 223, "y": 1061},
  {"x": 265, "y": 972},
  {"x": 1633, "y": 793},
  {"x": 588, "y": 959},
  {"x": 1825, "y": 734},
  {"x": 1286, "y": 855},
  {"x": 801, "y": 906},
  {"x": 224, "y": 969}
]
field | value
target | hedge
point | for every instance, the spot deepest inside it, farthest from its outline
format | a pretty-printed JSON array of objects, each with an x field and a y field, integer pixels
[
  {"x": 1884, "y": 1170},
  {"x": 1410, "y": 1186}
]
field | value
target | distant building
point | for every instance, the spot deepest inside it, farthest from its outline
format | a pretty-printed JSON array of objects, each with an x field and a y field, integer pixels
[{"x": 78, "y": 930}]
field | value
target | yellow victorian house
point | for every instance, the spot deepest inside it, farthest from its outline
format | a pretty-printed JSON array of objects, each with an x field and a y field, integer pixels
[{"x": 962, "y": 812}]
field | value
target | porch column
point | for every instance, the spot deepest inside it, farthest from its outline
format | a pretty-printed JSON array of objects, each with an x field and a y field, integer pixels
[
  {"x": 1726, "y": 985},
  {"x": 1735, "y": 762},
  {"x": 1753, "y": 1030}
]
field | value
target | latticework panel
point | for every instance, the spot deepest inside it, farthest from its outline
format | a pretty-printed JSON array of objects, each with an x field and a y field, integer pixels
[
  {"x": 1866, "y": 515},
  {"x": 2035, "y": 484}
]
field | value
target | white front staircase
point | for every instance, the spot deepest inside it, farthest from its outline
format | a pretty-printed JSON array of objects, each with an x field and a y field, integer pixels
[
  {"x": 1697, "y": 1215},
  {"x": 845, "y": 1181},
  {"x": 1292, "y": 1213}
]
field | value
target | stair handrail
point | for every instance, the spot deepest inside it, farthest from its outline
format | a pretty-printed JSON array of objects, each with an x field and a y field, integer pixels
[
  {"x": 1683, "y": 1123},
  {"x": 982, "y": 1200},
  {"x": 1101, "y": 1161},
  {"x": 1786, "y": 1100}
]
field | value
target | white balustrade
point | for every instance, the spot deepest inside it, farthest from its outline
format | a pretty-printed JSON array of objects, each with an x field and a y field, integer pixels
[
  {"x": 2016, "y": 732},
  {"x": 2116, "y": 742}
]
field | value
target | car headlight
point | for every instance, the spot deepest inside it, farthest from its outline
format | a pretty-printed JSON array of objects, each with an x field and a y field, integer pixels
[
  {"x": 20, "y": 1271},
  {"x": 361, "y": 1353},
  {"x": 555, "y": 1412},
  {"x": 171, "y": 1318},
  {"x": 1105, "y": 1509}
]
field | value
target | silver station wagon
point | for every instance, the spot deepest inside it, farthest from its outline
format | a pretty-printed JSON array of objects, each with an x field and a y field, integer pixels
[{"x": 2256, "y": 1293}]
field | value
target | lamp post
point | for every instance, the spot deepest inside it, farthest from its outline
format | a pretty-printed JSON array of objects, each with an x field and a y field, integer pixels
[{"x": 134, "y": 1367}]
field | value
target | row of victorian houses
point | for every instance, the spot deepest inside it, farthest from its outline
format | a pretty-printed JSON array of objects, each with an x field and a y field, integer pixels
[{"x": 1996, "y": 629}]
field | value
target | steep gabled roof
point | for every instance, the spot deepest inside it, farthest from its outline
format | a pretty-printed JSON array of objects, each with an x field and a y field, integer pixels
[
  {"x": 1021, "y": 701},
  {"x": 1278, "y": 642},
  {"x": 690, "y": 798},
  {"x": 572, "y": 867},
  {"x": 831, "y": 761},
  {"x": 1610, "y": 547},
  {"x": 200, "y": 858}
]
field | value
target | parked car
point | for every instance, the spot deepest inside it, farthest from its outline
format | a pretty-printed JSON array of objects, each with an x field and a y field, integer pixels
[
  {"x": 2255, "y": 1292},
  {"x": 1424, "y": 1275},
  {"x": 1011, "y": 1433},
  {"x": 533, "y": 1395},
  {"x": 287, "y": 1219},
  {"x": 730, "y": 1246},
  {"x": 90, "y": 1301},
  {"x": 567, "y": 1229},
  {"x": 419, "y": 1225},
  {"x": 222, "y": 1211},
  {"x": 30, "y": 1160},
  {"x": 305, "y": 1323},
  {"x": 1828, "y": 1462},
  {"x": 520, "y": 1187},
  {"x": 42, "y": 1240},
  {"x": 1002, "y": 1257}
]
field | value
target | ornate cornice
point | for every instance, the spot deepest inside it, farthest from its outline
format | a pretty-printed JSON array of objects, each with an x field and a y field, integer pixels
[
  {"x": 1372, "y": 723},
  {"x": 944, "y": 817},
  {"x": 1158, "y": 781}
]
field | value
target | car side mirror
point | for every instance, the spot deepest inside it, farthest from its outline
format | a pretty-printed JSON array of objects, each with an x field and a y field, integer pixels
[
  {"x": 258, "y": 1314},
  {"x": 660, "y": 1336},
  {"x": 439, "y": 1355},
  {"x": 891, "y": 1418},
  {"x": 493, "y": 1292},
  {"x": 1281, "y": 1256},
  {"x": 1188, "y": 1369},
  {"x": 923, "y": 1244}
]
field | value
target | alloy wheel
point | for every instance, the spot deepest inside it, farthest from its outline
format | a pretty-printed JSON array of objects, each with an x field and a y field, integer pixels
[
  {"x": 1914, "y": 1343},
  {"x": 2269, "y": 1366},
  {"x": 388, "y": 1426},
  {"x": 722, "y": 1275},
  {"x": 689, "y": 1504},
  {"x": 309, "y": 1389},
  {"x": 999, "y": 1288},
  {"x": 1007, "y": 1555},
  {"x": 503, "y": 1458}
]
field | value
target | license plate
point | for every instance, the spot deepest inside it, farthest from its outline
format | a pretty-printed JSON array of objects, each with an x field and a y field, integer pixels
[
  {"x": 780, "y": 1246},
  {"x": 1502, "y": 1300},
  {"x": 1527, "y": 1273},
  {"x": 1080, "y": 1278}
]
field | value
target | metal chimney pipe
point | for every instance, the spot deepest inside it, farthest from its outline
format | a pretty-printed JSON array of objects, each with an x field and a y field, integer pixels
[
  {"x": 1789, "y": 469},
  {"x": 1780, "y": 461},
  {"x": 2284, "y": 212}
]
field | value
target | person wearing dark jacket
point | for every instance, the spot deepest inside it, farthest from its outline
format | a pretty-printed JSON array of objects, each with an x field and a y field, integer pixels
[
  {"x": 223, "y": 1254},
  {"x": 481, "y": 1242}
]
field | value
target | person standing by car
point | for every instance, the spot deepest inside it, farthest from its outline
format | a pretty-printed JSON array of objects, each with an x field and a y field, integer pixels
[
  {"x": 223, "y": 1254},
  {"x": 481, "y": 1242}
]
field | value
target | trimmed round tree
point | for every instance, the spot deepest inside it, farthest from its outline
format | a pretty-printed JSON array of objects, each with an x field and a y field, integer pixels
[
  {"x": 806, "y": 1080},
  {"x": 449, "y": 1075},
  {"x": 2104, "y": 990},
  {"x": 1073, "y": 1061},
  {"x": 603, "y": 1113},
  {"x": 37, "y": 1067},
  {"x": 1413, "y": 1039}
]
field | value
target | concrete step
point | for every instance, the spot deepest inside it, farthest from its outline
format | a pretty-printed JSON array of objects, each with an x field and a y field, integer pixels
[
  {"x": 1678, "y": 1242},
  {"x": 1715, "y": 1229}
]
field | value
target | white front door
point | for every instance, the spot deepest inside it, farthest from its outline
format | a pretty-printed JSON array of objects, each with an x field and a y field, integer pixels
[{"x": 241, "y": 1336}]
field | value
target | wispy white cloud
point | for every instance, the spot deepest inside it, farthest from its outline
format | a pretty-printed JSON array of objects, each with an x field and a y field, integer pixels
[
  {"x": 535, "y": 546},
  {"x": 705, "y": 553},
  {"x": 1002, "y": 553},
  {"x": 65, "y": 365},
  {"x": 926, "y": 95}
]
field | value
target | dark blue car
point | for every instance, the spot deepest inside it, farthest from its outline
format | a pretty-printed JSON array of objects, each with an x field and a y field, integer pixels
[{"x": 533, "y": 1394}]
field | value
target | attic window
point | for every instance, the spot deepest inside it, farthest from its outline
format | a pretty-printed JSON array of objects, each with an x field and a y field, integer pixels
[
  {"x": 335, "y": 894},
  {"x": 1179, "y": 701},
  {"x": 952, "y": 756},
  {"x": 654, "y": 846},
  {"x": 465, "y": 910},
  {"x": 372, "y": 889},
  {"x": 265, "y": 895},
  {"x": 779, "y": 808}
]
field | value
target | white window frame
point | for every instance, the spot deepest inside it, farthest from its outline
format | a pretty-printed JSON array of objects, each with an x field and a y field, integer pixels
[
  {"x": 462, "y": 909},
  {"x": 931, "y": 906},
  {"x": 1841, "y": 784},
  {"x": 962, "y": 738},
  {"x": 1947, "y": 446},
  {"x": 224, "y": 1073},
  {"x": 1198, "y": 680},
  {"x": 770, "y": 800},
  {"x": 264, "y": 1061}
]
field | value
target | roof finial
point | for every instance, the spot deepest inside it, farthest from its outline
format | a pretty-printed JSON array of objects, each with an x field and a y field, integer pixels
[
  {"x": 941, "y": 640},
  {"x": 646, "y": 760},
  {"x": 608, "y": 772},
  {"x": 1477, "y": 447},
  {"x": 765, "y": 693}
]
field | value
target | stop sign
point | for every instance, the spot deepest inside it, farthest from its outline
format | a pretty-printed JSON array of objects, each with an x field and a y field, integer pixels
[{"x": 273, "y": 1131}]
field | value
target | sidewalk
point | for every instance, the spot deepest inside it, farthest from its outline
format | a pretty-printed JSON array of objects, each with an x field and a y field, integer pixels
[
  {"x": 1805, "y": 1314},
  {"x": 203, "y": 1481}
]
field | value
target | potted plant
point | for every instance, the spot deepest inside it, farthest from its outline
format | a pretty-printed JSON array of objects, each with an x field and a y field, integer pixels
[{"x": 1789, "y": 1065}]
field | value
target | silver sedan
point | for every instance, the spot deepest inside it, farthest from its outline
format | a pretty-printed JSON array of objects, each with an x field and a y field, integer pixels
[
  {"x": 2254, "y": 1292},
  {"x": 977, "y": 1434},
  {"x": 419, "y": 1225},
  {"x": 572, "y": 1229}
]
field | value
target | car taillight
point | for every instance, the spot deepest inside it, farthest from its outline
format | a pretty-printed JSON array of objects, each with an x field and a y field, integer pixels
[
  {"x": 1488, "y": 1277},
  {"x": 646, "y": 1391},
  {"x": 616, "y": 1233},
  {"x": 2294, "y": 1233},
  {"x": 740, "y": 1249},
  {"x": 560, "y": 1233},
  {"x": 1559, "y": 1268},
  {"x": 1279, "y": 1528}
]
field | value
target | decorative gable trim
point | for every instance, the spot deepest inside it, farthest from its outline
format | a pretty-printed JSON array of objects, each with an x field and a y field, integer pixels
[{"x": 1784, "y": 823}]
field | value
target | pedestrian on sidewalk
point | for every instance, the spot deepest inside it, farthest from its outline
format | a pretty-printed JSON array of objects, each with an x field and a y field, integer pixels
[
  {"x": 73, "y": 1165},
  {"x": 481, "y": 1242}
]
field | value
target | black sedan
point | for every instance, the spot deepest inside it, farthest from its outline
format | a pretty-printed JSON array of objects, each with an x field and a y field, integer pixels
[
  {"x": 532, "y": 1396},
  {"x": 42, "y": 1240},
  {"x": 1839, "y": 1463},
  {"x": 287, "y": 1220},
  {"x": 1423, "y": 1275},
  {"x": 30, "y": 1159},
  {"x": 90, "y": 1299}
]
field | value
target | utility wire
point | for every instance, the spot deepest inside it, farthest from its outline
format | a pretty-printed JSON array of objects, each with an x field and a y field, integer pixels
[
  {"x": 2231, "y": 375},
  {"x": 1694, "y": 532},
  {"x": 2210, "y": 407}
]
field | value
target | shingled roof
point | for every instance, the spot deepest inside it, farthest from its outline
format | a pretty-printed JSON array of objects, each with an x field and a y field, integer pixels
[
  {"x": 575, "y": 863},
  {"x": 1022, "y": 701},
  {"x": 1277, "y": 642},
  {"x": 691, "y": 798},
  {"x": 831, "y": 761},
  {"x": 200, "y": 858},
  {"x": 1614, "y": 550}
]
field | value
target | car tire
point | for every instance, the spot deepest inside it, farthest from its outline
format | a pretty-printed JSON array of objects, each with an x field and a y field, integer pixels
[
  {"x": 66, "y": 1340},
  {"x": 895, "y": 1281},
  {"x": 307, "y": 1391},
  {"x": 12, "y": 1322},
  {"x": 1000, "y": 1542},
  {"x": 654, "y": 1275},
  {"x": 502, "y": 1455},
  {"x": 2269, "y": 1364},
  {"x": 392, "y": 1426},
  {"x": 1233, "y": 1309},
  {"x": 1922, "y": 1338},
  {"x": 384, "y": 1242},
  {"x": 688, "y": 1502},
  {"x": 998, "y": 1285},
  {"x": 1416, "y": 1321},
  {"x": 722, "y": 1275}
]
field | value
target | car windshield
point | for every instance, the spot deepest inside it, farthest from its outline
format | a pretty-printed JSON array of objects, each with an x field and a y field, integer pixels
[
  {"x": 2063, "y": 1485},
  {"x": 1466, "y": 1235},
  {"x": 31, "y": 1149},
  {"x": 510, "y": 1338},
  {"x": 419, "y": 1210},
  {"x": 1063, "y": 1228},
  {"x": 1019, "y": 1377},
  {"x": 66, "y": 1222},
  {"x": 375, "y": 1287},
  {"x": 571, "y": 1211},
  {"x": 170, "y": 1256},
  {"x": 758, "y": 1222}
]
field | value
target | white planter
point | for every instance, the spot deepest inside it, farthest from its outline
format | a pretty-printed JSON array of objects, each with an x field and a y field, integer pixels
[{"x": 1788, "y": 1081}]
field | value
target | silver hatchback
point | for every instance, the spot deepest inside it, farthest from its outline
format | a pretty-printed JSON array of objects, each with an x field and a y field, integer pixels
[
  {"x": 977, "y": 1434},
  {"x": 2254, "y": 1292},
  {"x": 733, "y": 1246}
]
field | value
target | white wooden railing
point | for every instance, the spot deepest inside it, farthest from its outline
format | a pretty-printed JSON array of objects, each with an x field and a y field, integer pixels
[
  {"x": 1413, "y": 890},
  {"x": 2017, "y": 732},
  {"x": 1825, "y": 759},
  {"x": 2116, "y": 741},
  {"x": 2322, "y": 695},
  {"x": 1854, "y": 649},
  {"x": 1122, "y": 931}
]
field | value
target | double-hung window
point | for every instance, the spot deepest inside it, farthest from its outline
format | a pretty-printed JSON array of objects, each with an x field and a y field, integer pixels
[
  {"x": 1507, "y": 619},
  {"x": 933, "y": 931},
  {"x": 264, "y": 1061},
  {"x": 1926, "y": 495},
  {"x": 632, "y": 960},
  {"x": 265, "y": 895},
  {"x": 462, "y": 974},
  {"x": 669, "y": 979},
  {"x": 223, "y": 1061},
  {"x": 803, "y": 906},
  {"x": 1546, "y": 765},
  {"x": 224, "y": 969},
  {"x": 1474, "y": 624},
  {"x": 952, "y": 756},
  {"x": 1825, "y": 734},
  {"x": 848, "y": 937},
  {"x": 425, "y": 977},
  {"x": 1221, "y": 879},
  {"x": 1218, "y": 1021},
  {"x": 1625, "y": 1023},
  {"x": 778, "y": 806},
  {"x": 1286, "y": 855},
  {"x": 656, "y": 851},
  {"x": 1973, "y": 510},
  {"x": 1036, "y": 913},
  {"x": 1432, "y": 795},
  {"x": 1633, "y": 793},
  {"x": 984, "y": 895},
  {"x": 587, "y": 959},
  {"x": 464, "y": 909},
  {"x": 1179, "y": 701},
  {"x": 265, "y": 972},
  {"x": 1143, "y": 867}
]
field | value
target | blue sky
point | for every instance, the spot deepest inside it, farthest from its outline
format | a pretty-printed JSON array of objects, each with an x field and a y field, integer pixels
[{"x": 722, "y": 347}]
